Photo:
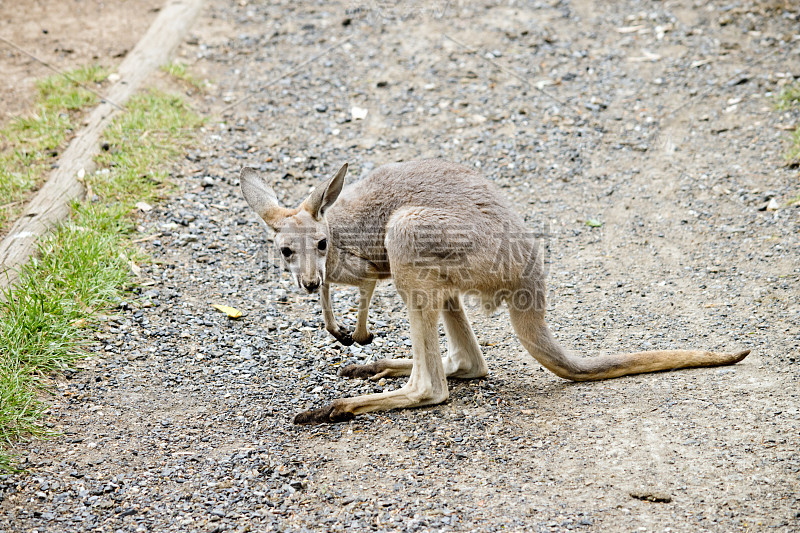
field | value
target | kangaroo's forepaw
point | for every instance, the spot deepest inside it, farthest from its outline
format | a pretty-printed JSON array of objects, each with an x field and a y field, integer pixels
[
  {"x": 323, "y": 415},
  {"x": 362, "y": 371},
  {"x": 342, "y": 336},
  {"x": 363, "y": 339}
]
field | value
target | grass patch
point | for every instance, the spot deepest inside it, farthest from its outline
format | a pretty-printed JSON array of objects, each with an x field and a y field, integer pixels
[
  {"x": 64, "y": 92},
  {"x": 29, "y": 145},
  {"x": 82, "y": 268},
  {"x": 789, "y": 98},
  {"x": 78, "y": 269},
  {"x": 179, "y": 70},
  {"x": 793, "y": 155},
  {"x": 154, "y": 128}
]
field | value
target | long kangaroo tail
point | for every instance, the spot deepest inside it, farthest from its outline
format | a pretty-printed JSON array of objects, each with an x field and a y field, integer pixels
[{"x": 537, "y": 338}]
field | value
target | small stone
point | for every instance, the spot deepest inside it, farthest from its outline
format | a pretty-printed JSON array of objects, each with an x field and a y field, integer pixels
[
  {"x": 648, "y": 495},
  {"x": 359, "y": 113}
]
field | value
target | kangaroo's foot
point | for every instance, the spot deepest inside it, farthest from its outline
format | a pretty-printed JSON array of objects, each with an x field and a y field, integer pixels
[
  {"x": 323, "y": 415},
  {"x": 379, "y": 369},
  {"x": 347, "y": 338},
  {"x": 344, "y": 409},
  {"x": 454, "y": 367},
  {"x": 342, "y": 335},
  {"x": 363, "y": 338}
]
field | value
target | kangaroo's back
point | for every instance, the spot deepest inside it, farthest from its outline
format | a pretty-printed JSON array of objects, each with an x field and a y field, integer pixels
[
  {"x": 472, "y": 209},
  {"x": 426, "y": 183}
]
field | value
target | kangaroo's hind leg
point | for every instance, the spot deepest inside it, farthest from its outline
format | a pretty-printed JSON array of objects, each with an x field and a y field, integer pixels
[
  {"x": 464, "y": 358},
  {"x": 424, "y": 291},
  {"x": 427, "y": 384}
]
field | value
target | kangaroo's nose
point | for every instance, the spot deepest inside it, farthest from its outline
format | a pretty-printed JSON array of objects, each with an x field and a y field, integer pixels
[{"x": 311, "y": 286}]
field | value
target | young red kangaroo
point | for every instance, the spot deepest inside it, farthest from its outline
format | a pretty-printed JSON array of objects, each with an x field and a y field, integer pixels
[{"x": 439, "y": 230}]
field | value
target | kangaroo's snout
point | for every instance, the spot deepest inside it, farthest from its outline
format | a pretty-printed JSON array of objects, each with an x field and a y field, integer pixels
[{"x": 311, "y": 286}]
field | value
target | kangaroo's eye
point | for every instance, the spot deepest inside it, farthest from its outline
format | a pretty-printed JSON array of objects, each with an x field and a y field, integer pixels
[
  {"x": 287, "y": 252},
  {"x": 322, "y": 245}
]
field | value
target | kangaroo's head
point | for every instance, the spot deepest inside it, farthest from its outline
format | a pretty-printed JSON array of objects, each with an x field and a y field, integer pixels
[{"x": 301, "y": 234}]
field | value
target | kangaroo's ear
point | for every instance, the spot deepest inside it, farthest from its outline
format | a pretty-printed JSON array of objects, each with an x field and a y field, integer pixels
[
  {"x": 323, "y": 196},
  {"x": 260, "y": 196}
]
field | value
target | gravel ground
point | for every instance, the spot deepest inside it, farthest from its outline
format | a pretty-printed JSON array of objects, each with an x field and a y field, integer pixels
[{"x": 659, "y": 124}]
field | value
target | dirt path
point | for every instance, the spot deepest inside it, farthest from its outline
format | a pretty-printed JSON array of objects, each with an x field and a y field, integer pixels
[
  {"x": 66, "y": 34},
  {"x": 664, "y": 130}
]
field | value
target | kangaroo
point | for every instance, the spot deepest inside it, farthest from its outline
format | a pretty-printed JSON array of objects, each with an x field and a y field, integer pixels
[{"x": 440, "y": 230}]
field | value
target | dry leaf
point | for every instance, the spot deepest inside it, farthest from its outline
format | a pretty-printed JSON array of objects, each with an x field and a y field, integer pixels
[
  {"x": 232, "y": 312},
  {"x": 631, "y": 29},
  {"x": 700, "y": 63},
  {"x": 646, "y": 56}
]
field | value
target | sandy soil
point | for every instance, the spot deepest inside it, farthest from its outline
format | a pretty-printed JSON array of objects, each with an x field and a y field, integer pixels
[{"x": 65, "y": 34}]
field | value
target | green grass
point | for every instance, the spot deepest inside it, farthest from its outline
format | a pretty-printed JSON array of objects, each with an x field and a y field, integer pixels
[
  {"x": 793, "y": 155},
  {"x": 789, "y": 98},
  {"x": 65, "y": 92},
  {"x": 29, "y": 144},
  {"x": 79, "y": 267},
  {"x": 154, "y": 128},
  {"x": 84, "y": 265},
  {"x": 178, "y": 70}
]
